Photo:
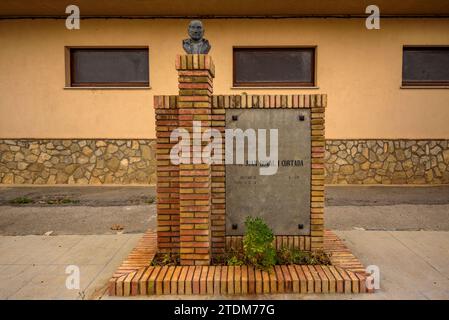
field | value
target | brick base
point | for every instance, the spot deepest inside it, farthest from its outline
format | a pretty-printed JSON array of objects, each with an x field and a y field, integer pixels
[{"x": 137, "y": 277}]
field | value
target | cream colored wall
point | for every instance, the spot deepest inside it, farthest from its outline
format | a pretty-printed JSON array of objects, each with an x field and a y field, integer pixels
[{"x": 360, "y": 70}]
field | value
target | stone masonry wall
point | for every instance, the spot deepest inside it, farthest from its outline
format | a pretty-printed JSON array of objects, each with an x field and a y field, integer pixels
[
  {"x": 85, "y": 161},
  {"x": 387, "y": 162},
  {"x": 110, "y": 161}
]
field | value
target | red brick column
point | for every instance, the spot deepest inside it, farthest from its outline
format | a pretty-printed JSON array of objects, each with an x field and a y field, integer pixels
[
  {"x": 196, "y": 72},
  {"x": 167, "y": 175},
  {"x": 218, "y": 211}
]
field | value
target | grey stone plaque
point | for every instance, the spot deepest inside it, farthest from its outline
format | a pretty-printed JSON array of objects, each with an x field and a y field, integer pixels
[{"x": 282, "y": 199}]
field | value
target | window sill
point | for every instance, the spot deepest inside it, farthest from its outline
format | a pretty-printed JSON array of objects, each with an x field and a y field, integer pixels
[
  {"x": 107, "y": 88},
  {"x": 424, "y": 87},
  {"x": 270, "y": 88}
]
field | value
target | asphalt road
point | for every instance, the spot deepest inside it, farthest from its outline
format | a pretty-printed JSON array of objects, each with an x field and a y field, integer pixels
[{"x": 111, "y": 210}]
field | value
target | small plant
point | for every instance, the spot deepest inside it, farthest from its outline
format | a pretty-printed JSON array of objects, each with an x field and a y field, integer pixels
[
  {"x": 319, "y": 257},
  {"x": 234, "y": 261},
  {"x": 21, "y": 200},
  {"x": 258, "y": 244},
  {"x": 165, "y": 259},
  {"x": 69, "y": 201},
  {"x": 295, "y": 256},
  {"x": 60, "y": 200},
  {"x": 149, "y": 200},
  {"x": 232, "y": 257},
  {"x": 117, "y": 227},
  {"x": 291, "y": 256}
]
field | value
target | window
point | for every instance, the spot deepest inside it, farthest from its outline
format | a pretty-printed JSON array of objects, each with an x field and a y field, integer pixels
[
  {"x": 109, "y": 67},
  {"x": 425, "y": 66},
  {"x": 274, "y": 67}
]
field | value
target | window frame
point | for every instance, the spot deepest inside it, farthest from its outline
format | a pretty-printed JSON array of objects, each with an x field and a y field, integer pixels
[
  {"x": 257, "y": 84},
  {"x": 421, "y": 83},
  {"x": 70, "y": 71}
]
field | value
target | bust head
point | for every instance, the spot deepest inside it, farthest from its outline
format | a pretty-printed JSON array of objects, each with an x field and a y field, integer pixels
[
  {"x": 196, "y": 30},
  {"x": 196, "y": 44}
]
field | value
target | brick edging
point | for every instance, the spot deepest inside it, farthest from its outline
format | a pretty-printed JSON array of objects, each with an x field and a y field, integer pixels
[
  {"x": 137, "y": 277},
  {"x": 138, "y": 260},
  {"x": 247, "y": 101}
]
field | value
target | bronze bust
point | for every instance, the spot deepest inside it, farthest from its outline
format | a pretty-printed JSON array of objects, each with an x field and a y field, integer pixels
[{"x": 196, "y": 43}]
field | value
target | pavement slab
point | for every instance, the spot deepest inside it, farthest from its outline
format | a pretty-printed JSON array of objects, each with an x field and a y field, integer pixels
[
  {"x": 402, "y": 230},
  {"x": 412, "y": 264},
  {"x": 34, "y": 267},
  {"x": 405, "y": 273}
]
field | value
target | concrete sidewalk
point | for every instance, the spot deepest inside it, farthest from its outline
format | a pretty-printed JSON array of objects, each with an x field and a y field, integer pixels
[
  {"x": 413, "y": 265},
  {"x": 33, "y": 267}
]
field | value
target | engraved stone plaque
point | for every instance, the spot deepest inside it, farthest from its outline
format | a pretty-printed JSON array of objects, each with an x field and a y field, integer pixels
[{"x": 281, "y": 199}]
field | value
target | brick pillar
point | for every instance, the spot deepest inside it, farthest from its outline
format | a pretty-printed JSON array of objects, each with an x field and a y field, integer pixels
[
  {"x": 218, "y": 218},
  {"x": 196, "y": 72},
  {"x": 167, "y": 175}
]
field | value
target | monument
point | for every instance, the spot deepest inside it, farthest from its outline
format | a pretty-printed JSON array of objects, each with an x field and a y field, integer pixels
[{"x": 202, "y": 205}]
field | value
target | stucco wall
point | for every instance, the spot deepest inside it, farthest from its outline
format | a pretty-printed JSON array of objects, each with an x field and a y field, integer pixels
[{"x": 360, "y": 70}]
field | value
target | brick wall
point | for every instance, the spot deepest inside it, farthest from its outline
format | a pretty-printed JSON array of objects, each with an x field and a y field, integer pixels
[{"x": 186, "y": 223}]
